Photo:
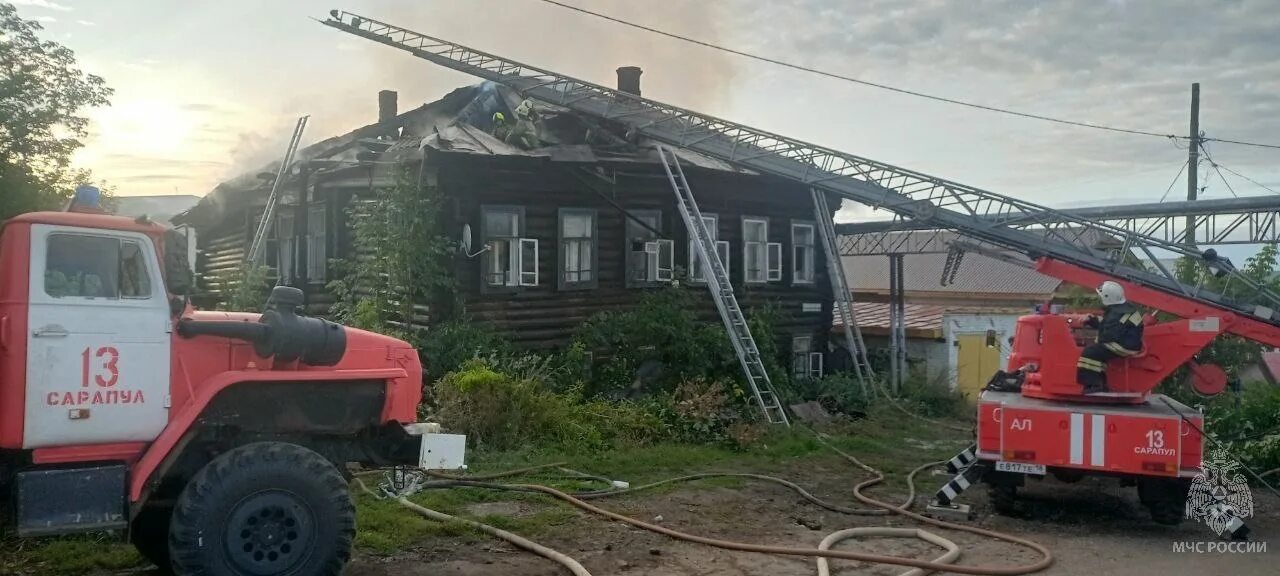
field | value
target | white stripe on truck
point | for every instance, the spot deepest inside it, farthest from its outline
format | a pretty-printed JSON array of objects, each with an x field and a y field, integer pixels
[{"x": 1077, "y": 438}]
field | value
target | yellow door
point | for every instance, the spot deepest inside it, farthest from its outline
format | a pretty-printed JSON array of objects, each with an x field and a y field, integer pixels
[{"x": 975, "y": 363}]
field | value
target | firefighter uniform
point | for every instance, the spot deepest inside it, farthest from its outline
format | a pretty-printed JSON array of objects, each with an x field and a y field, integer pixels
[{"x": 1119, "y": 336}]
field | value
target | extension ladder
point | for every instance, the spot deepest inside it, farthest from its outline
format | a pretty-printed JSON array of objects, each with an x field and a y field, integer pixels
[
  {"x": 722, "y": 293},
  {"x": 840, "y": 290},
  {"x": 268, "y": 213}
]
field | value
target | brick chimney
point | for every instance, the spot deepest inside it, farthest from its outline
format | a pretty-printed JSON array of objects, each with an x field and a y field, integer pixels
[
  {"x": 629, "y": 79},
  {"x": 387, "y": 105}
]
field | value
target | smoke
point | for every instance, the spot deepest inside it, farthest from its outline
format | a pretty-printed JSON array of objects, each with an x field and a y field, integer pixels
[
  {"x": 528, "y": 31},
  {"x": 548, "y": 37}
]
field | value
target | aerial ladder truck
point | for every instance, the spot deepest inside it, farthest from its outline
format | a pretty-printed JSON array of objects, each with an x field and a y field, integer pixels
[{"x": 1048, "y": 424}]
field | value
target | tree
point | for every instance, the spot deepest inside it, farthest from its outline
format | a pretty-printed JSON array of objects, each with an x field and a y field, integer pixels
[
  {"x": 43, "y": 96},
  {"x": 1231, "y": 352}
]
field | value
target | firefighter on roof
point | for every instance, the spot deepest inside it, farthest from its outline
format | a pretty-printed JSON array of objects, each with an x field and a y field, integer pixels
[
  {"x": 525, "y": 133},
  {"x": 1119, "y": 336},
  {"x": 501, "y": 129}
]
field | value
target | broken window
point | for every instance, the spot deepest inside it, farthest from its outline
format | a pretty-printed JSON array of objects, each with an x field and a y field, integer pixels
[
  {"x": 317, "y": 243},
  {"x": 802, "y": 253},
  {"x": 509, "y": 260},
  {"x": 805, "y": 363},
  {"x": 650, "y": 259},
  {"x": 755, "y": 250},
  {"x": 577, "y": 248}
]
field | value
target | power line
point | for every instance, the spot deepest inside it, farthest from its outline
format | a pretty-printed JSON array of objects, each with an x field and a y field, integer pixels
[
  {"x": 1175, "y": 180},
  {"x": 856, "y": 80},
  {"x": 944, "y": 99},
  {"x": 1218, "y": 170},
  {"x": 1255, "y": 182},
  {"x": 1242, "y": 143}
]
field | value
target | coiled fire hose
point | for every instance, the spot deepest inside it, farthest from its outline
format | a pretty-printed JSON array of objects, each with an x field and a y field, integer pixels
[{"x": 941, "y": 564}]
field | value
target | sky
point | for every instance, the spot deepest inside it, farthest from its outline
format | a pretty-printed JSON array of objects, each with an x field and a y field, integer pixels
[{"x": 205, "y": 91}]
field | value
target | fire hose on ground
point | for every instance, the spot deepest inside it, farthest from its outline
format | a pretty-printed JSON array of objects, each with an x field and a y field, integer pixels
[{"x": 822, "y": 553}]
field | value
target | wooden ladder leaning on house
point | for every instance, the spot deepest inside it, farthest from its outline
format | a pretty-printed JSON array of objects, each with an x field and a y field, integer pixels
[{"x": 722, "y": 293}]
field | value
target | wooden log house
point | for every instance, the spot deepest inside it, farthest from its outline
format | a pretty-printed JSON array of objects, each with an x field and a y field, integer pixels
[{"x": 584, "y": 223}]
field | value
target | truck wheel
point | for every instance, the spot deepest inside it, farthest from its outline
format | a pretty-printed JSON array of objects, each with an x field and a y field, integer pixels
[
  {"x": 264, "y": 508},
  {"x": 149, "y": 533},
  {"x": 1166, "y": 499},
  {"x": 1004, "y": 498}
]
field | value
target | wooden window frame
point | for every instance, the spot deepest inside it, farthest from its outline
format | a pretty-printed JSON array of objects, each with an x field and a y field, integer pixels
[
  {"x": 517, "y": 275},
  {"x": 813, "y": 254},
  {"x": 747, "y": 246},
  {"x": 653, "y": 246},
  {"x": 563, "y": 283}
]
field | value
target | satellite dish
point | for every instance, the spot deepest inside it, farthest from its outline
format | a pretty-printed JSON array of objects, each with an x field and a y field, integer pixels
[{"x": 466, "y": 238}]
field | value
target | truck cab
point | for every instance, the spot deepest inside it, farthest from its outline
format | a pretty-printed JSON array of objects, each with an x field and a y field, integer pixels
[{"x": 219, "y": 441}]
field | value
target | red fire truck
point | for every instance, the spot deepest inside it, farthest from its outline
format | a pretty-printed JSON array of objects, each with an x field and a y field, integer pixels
[{"x": 218, "y": 440}]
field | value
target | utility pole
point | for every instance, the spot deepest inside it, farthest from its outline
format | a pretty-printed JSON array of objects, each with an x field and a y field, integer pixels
[{"x": 1193, "y": 161}]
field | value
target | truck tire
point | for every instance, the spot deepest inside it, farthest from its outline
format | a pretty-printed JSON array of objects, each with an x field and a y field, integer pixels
[
  {"x": 1166, "y": 499},
  {"x": 264, "y": 508},
  {"x": 149, "y": 533},
  {"x": 1004, "y": 498}
]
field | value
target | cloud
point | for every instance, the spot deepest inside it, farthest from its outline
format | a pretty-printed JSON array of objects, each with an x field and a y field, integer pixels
[
  {"x": 1124, "y": 64},
  {"x": 86, "y": 23},
  {"x": 45, "y": 19},
  {"x": 41, "y": 4}
]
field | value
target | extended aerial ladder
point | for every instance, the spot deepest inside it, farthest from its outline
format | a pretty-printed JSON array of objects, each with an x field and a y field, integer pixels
[
  {"x": 1126, "y": 431},
  {"x": 1011, "y": 223}
]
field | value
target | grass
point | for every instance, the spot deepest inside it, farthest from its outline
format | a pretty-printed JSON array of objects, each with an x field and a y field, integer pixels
[
  {"x": 67, "y": 555},
  {"x": 885, "y": 439}
]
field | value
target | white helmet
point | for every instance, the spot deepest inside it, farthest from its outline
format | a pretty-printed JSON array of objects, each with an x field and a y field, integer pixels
[
  {"x": 1112, "y": 293},
  {"x": 524, "y": 109}
]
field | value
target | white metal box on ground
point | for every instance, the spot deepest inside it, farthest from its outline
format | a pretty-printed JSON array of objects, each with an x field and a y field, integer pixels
[{"x": 443, "y": 452}]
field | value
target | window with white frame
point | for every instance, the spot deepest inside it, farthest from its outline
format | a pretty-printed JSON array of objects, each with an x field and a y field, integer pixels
[
  {"x": 802, "y": 253},
  {"x": 509, "y": 260},
  {"x": 805, "y": 363},
  {"x": 761, "y": 259},
  {"x": 711, "y": 221},
  {"x": 287, "y": 245},
  {"x": 577, "y": 248},
  {"x": 650, "y": 259},
  {"x": 317, "y": 243}
]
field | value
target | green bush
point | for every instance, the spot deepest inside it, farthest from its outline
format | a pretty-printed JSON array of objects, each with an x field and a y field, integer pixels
[
  {"x": 448, "y": 345},
  {"x": 837, "y": 393},
  {"x": 1248, "y": 424},
  {"x": 664, "y": 329},
  {"x": 934, "y": 397},
  {"x": 499, "y": 411},
  {"x": 708, "y": 411}
]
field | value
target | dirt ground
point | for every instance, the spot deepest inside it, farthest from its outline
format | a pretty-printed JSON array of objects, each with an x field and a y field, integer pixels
[{"x": 1093, "y": 527}]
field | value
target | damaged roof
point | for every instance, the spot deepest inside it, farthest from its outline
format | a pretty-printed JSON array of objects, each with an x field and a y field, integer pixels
[{"x": 459, "y": 123}]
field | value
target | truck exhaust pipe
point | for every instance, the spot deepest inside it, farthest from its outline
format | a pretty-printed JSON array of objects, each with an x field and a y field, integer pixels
[{"x": 280, "y": 333}]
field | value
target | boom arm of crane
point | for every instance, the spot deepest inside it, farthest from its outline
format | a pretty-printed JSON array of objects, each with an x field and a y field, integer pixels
[{"x": 1228, "y": 321}]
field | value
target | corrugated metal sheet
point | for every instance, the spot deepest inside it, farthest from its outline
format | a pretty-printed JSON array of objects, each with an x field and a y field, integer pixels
[
  {"x": 922, "y": 320},
  {"x": 977, "y": 275}
]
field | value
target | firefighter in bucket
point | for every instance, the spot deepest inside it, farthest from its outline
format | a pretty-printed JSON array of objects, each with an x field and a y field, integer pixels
[{"x": 1119, "y": 336}]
